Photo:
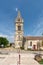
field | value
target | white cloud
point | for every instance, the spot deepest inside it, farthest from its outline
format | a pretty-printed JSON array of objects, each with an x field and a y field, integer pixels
[
  {"x": 39, "y": 27},
  {"x": 9, "y": 37},
  {"x": 2, "y": 35},
  {"x": 16, "y": 9},
  {"x": 4, "y": 32}
]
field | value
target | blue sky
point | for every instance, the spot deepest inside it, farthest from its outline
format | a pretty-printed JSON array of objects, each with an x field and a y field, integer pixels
[{"x": 31, "y": 11}]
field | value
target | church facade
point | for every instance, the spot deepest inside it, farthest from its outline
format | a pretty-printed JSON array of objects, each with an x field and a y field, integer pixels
[{"x": 28, "y": 42}]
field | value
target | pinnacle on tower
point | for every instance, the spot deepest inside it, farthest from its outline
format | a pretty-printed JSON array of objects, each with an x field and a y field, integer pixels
[
  {"x": 19, "y": 14},
  {"x": 19, "y": 17}
]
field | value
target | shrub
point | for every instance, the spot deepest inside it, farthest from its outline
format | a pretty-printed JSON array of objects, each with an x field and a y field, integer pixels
[
  {"x": 22, "y": 48},
  {"x": 38, "y": 57}
]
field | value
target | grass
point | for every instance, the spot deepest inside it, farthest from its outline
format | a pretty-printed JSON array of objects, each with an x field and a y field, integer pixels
[
  {"x": 21, "y": 48},
  {"x": 41, "y": 62}
]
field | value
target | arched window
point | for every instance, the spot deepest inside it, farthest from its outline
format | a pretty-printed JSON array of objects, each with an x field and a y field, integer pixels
[
  {"x": 31, "y": 43},
  {"x": 19, "y": 28}
]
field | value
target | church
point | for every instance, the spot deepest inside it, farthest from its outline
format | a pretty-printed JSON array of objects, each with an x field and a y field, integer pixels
[{"x": 28, "y": 42}]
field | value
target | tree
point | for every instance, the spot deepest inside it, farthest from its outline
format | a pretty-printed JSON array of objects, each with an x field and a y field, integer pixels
[
  {"x": 3, "y": 42},
  {"x": 24, "y": 40},
  {"x": 42, "y": 42}
]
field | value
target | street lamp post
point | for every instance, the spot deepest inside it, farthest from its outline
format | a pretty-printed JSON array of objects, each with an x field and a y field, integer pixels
[{"x": 19, "y": 57}]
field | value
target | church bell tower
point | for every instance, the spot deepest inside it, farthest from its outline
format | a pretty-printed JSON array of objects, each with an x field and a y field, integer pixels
[{"x": 18, "y": 31}]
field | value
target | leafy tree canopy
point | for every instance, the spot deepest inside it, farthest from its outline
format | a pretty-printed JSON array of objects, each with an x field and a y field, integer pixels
[{"x": 3, "y": 41}]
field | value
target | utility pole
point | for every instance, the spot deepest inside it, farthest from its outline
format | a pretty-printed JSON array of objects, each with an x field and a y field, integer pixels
[{"x": 19, "y": 58}]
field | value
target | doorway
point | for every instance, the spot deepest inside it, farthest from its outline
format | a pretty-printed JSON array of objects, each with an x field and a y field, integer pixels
[{"x": 34, "y": 47}]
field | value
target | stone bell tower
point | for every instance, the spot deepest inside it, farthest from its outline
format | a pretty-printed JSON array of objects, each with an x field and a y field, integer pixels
[{"x": 18, "y": 31}]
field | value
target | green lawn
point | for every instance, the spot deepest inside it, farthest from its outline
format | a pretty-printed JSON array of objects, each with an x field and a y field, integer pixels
[{"x": 41, "y": 62}]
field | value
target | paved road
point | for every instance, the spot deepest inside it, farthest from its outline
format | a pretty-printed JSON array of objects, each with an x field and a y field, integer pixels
[
  {"x": 12, "y": 59},
  {"x": 22, "y": 51}
]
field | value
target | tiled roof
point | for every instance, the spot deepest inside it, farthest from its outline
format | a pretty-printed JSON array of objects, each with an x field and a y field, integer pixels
[{"x": 34, "y": 37}]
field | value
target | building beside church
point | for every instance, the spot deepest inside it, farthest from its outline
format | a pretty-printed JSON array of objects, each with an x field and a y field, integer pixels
[{"x": 28, "y": 42}]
